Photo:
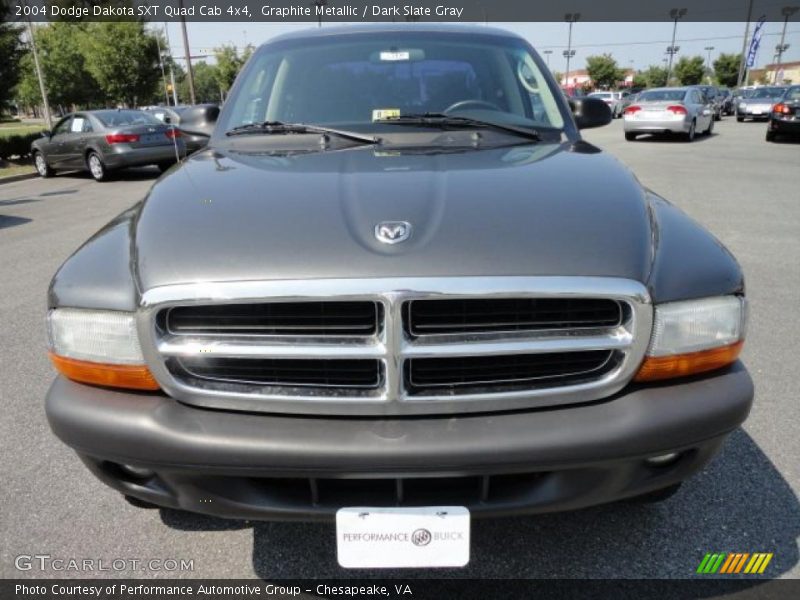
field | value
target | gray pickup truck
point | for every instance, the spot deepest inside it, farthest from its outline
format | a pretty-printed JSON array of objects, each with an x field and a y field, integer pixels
[{"x": 398, "y": 277}]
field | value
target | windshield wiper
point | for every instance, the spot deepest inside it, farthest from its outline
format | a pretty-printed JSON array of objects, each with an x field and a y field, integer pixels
[
  {"x": 443, "y": 120},
  {"x": 277, "y": 127}
]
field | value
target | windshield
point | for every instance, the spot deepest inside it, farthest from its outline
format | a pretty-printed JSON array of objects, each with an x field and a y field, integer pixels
[
  {"x": 662, "y": 96},
  {"x": 793, "y": 93},
  {"x": 605, "y": 95},
  {"x": 352, "y": 81},
  {"x": 119, "y": 118},
  {"x": 767, "y": 92}
]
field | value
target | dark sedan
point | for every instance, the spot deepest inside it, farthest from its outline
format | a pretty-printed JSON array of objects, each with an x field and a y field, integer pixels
[
  {"x": 785, "y": 115},
  {"x": 102, "y": 141}
]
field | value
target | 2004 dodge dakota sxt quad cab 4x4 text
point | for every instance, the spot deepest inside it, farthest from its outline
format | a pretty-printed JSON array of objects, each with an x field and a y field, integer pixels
[{"x": 398, "y": 289}]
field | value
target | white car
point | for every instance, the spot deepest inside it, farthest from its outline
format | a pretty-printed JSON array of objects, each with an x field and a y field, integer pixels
[{"x": 613, "y": 99}]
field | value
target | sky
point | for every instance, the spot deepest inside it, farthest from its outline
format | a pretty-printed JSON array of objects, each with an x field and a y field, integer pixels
[{"x": 633, "y": 45}]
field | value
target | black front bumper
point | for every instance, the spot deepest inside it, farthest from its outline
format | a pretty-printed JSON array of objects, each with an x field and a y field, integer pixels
[{"x": 260, "y": 466}]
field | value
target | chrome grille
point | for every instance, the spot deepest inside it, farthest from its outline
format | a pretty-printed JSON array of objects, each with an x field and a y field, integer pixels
[
  {"x": 515, "y": 371},
  {"x": 480, "y": 315},
  {"x": 558, "y": 340},
  {"x": 275, "y": 318},
  {"x": 345, "y": 374}
]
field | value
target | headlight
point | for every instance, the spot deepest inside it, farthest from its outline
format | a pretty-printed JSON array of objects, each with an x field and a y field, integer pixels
[
  {"x": 694, "y": 336},
  {"x": 742, "y": 105},
  {"x": 99, "y": 347}
]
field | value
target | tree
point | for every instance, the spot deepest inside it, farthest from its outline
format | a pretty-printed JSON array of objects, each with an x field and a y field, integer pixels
[
  {"x": 655, "y": 76},
  {"x": 123, "y": 59},
  {"x": 12, "y": 51},
  {"x": 690, "y": 70},
  {"x": 229, "y": 63},
  {"x": 640, "y": 80},
  {"x": 206, "y": 84},
  {"x": 63, "y": 65},
  {"x": 726, "y": 69},
  {"x": 603, "y": 71}
]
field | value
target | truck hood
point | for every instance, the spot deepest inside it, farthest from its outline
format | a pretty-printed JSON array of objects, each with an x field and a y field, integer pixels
[{"x": 540, "y": 209}]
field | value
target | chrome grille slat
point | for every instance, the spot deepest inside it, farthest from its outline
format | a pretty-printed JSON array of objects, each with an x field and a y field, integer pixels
[{"x": 623, "y": 334}]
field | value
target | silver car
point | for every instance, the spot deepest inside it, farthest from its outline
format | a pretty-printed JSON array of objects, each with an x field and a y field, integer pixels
[
  {"x": 685, "y": 111},
  {"x": 757, "y": 103},
  {"x": 612, "y": 99}
]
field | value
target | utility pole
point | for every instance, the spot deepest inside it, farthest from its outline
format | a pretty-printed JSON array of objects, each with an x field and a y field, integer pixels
[
  {"x": 674, "y": 14},
  {"x": 708, "y": 61},
  {"x": 189, "y": 72},
  {"x": 47, "y": 117},
  {"x": 547, "y": 54},
  {"x": 744, "y": 44},
  {"x": 163, "y": 73},
  {"x": 570, "y": 18},
  {"x": 786, "y": 11},
  {"x": 320, "y": 4}
]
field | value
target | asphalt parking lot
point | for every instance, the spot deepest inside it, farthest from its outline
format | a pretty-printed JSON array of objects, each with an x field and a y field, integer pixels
[{"x": 743, "y": 189}]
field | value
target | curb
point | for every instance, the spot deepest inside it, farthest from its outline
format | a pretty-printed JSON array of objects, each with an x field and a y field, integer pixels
[{"x": 21, "y": 177}]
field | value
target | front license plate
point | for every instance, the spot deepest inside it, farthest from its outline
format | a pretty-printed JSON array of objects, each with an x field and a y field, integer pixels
[
  {"x": 385, "y": 538},
  {"x": 757, "y": 111}
]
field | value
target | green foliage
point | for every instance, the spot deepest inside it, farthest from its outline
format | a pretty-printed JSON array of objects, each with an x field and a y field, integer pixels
[
  {"x": 11, "y": 51},
  {"x": 123, "y": 59},
  {"x": 604, "y": 71},
  {"x": 690, "y": 70},
  {"x": 17, "y": 145},
  {"x": 640, "y": 80},
  {"x": 654, "y": 76},
  {"x": 726, "y": 69},
  {"x": 63, "y": 66},
  {"x": 206, "y": 84},
  {"x": 27, "y": 91},
  {"x": 229, "y": 63}
]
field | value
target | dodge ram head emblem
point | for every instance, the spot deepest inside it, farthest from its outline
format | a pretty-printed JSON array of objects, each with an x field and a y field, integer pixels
[{"x": 393, "y": 232}]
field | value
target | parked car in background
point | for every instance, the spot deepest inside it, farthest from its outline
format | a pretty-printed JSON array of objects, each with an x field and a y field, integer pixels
[
  {"x": 728, "y": 107},
  {"x": 613, "y": 100},
  {"x": 684, "y": 110},
  {"x": 784, "y": 118},
  {"x": 196, "y": 122},
  {"x": 714, "y": 97},
  {"x": 102, "y": 141},
  {"x": 757, "y": 103}
]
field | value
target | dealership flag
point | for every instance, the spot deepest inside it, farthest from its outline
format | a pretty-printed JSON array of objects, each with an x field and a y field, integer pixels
[{"x": 755, "y": 42}]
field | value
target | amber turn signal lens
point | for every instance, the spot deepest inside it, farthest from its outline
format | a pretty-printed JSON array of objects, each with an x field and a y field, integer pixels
[
  {"x": 132, "y": 377},
  {"x": 656, "y": 368}
]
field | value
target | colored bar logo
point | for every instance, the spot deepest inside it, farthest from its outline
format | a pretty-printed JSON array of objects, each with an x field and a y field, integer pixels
[{"x": 734, "y": 562}]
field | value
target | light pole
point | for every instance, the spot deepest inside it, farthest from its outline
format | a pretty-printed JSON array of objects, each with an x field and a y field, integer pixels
[
  {"x": 189, "y": 72},
  {"x": 786, "y": 11},
  {"x": 171, "y": 69},
  {"x": 47, "y": 117},
  {"x": 547, "y": 54},
  {"x": 708, "y": 61},
  {"x": 570, "y": 18},
  {"x": 744, "y": 44},
  {"x": 674, "y": 14}
]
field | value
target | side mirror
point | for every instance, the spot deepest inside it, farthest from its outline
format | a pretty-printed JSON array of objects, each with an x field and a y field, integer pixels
[
  {"x": 46, "y": 133},
  {"x": 167, "y": 120},
  {"x": 200, "y": 119},
  {"x": 590, "y": 112}
]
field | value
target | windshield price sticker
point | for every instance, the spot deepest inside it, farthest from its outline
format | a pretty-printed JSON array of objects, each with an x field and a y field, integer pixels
[
  {"x": 379, "y": 114},
  {"x": 395, "y": 55},
  {"x": 407, "y": 537}
]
